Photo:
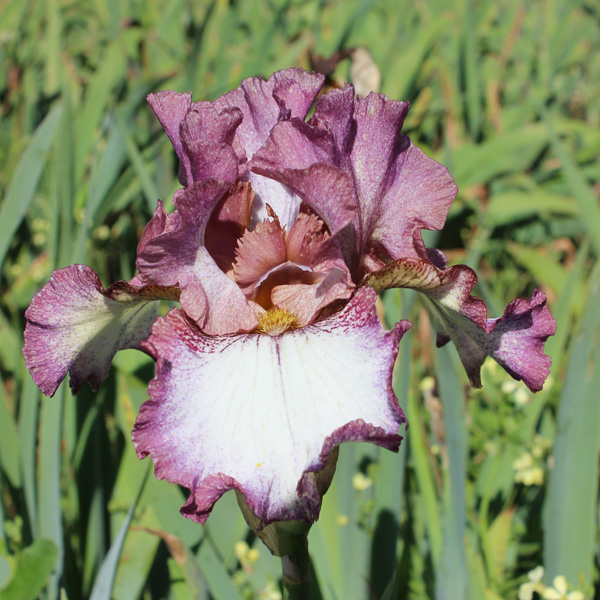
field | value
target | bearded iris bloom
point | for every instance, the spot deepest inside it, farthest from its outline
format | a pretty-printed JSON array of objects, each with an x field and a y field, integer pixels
[{"x": 284, "y": 230}]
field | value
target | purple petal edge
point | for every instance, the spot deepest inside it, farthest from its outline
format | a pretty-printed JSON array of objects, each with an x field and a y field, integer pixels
[{"x": 76, "y": 326}]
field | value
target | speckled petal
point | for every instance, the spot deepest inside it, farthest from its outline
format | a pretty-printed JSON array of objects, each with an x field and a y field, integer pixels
[
  {"x": 178, "y": 257},
  {"x": 286, "y": 94},
  {"x": 260, "y": 414},
  {"x": 171, "y": 108},
  {"x": 396, "y": 189},
  {"x": 515, "y": 341},
  {"x": 76, "y": 326},
  {"x": 399, "y": 189}
]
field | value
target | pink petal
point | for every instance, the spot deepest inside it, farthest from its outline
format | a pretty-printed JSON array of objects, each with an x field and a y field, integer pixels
[
  {"x": 179, "y": 257},
  {"x": 76, "y": 326},
  {"x": 395, "y": 189},
  {"x": 207, "y": 136},
  {"x": 286, "y": 94},
  {"x": 260, "y": 414},
  {"x": 171, "y": 108},
  {"x": 515, "y": 341},
  {"x": 259, "y": 252}
]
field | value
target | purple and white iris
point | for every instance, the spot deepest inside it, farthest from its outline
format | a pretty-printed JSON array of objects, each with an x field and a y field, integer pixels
[{"x": 283, "y": 232}]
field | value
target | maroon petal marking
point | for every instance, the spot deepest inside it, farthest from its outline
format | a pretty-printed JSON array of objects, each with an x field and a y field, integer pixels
[
  {"x": 515, "y": 341},
  {"x": 76, "y": 326}
]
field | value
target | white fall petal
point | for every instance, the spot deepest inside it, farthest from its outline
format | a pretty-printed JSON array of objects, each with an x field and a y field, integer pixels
[{"x": 260, "y": 413}]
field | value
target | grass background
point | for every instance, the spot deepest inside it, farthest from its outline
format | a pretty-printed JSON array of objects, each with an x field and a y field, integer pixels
[{"x": 505, "y": 93}]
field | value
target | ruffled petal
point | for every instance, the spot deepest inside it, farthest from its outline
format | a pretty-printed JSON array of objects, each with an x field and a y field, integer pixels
[
  {"x": 307, "y": 244},
  {"x": 76, "y": 326},
  {"x": 515, "y": 341},
  {"x": 258, "y": 253},
  {"x": 327, "y": 191},
  {"x": 171, "y": 108},
  {"x": 396, "y": 189},
  {"x": 399, "y": 189},
  {"x": 207, "y": 136},
  {"x": 227, "y": 224},
  {"x": 261, "y": 414},
  {"x": 179, "y": 257},
  {"x": 286, "y": 94}
]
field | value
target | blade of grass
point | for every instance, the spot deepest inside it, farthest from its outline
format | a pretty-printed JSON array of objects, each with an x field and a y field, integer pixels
[
  {"x": 451, "y": 572},
  {"x": 391, "y": 472},
  {"x": 147, "y": 182},
  {"x": 584, "y": 196},
  {"x": 571, "y": 505},
  {"x": 28, "y": 444},
  {"x": 111, "y": 70},
  {"x": 49, "y": 506},
  {"x": 217, "y": 578},
  {"x": 567, "y": 305},
  {"x": 471, "y": 72},
  {"x": 24, "y": 182},
  {"x": 9, "y": 442},
  {"x": 103, "y": 585},
  {"x": 425, "y": 478}
]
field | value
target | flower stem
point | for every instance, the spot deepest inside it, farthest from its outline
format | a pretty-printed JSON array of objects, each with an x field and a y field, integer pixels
[{"x": 295, "y": 569}]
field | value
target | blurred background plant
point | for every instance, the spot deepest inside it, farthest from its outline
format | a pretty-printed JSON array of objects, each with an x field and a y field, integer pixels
[{"x": 490, "y": 484}]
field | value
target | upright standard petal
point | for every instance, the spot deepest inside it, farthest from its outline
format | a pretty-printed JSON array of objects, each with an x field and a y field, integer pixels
[
  {"x": 170, "y": 109},
  {"x": 76, "y": 326},
  {"x": 286, "y": 94},
  {"x": 261, "y": 413},
  {"x": 397, "y": 190},
  {"x": 515, "y": 341}
]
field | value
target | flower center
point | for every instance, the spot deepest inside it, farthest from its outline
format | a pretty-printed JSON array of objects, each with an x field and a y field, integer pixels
[{"x": 276, "y": 321}]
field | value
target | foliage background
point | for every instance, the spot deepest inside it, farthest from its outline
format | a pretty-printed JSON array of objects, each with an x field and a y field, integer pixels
[{"x": 505, "y": 93}]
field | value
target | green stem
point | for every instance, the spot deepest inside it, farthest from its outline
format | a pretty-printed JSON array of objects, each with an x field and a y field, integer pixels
[{"x": 295, "y": 568}]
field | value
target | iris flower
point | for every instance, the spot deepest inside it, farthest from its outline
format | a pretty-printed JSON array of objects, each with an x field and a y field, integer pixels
[{"x": 282, "y": 234}]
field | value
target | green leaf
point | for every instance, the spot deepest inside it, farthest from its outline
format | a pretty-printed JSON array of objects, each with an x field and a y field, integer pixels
[
  {"x": 451, "y": 576},
  {"x": 103, "y": 585},
  {"x": 49, "y": 507},
  {"x": 512, "y": 152},
  {"x": 505, "y": 208},
  {"x": 571, "y": 505},
  {"x": 585, "y": 198},
  {"x": 9, "y": 442},
  {"x": 24, "y": 182},
  {"x": 33, "y": 566}
]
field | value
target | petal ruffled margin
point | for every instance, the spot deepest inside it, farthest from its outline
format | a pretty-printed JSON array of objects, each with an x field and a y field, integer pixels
[
  {"x": 261, "y": 414},
  {"x": 177, "y": 256},
  {"x": 396, "y": 190},
  {"x": 76, "y": 326},
  {"x": 515, "y": 340}
]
